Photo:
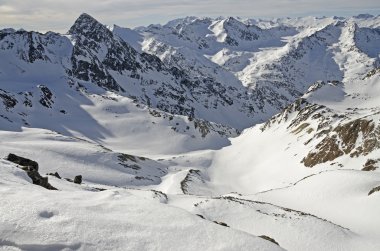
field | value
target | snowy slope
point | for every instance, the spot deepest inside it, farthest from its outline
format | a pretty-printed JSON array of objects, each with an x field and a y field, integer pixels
[
  {"x": 320, "y": 155},
  {"x": 332, "y": 126},
  {"x": 125, "y": 221},
  {"x": 281, "y": 224}
]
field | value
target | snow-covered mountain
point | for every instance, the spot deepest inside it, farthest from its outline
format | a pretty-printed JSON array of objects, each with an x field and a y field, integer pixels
[
  {"x": 203, "y": 133},
  {"x": 276, "y": 63},
  {"x": 320, "y": 155}
]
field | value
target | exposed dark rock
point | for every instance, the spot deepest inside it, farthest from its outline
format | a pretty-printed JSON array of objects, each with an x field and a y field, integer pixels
[
  {"x": 300, "y": 128},
  {"x": 221, "y": 223},
  {"x": 6, "y": 118},
  {"x": 125, "y": 157},
  {"x": 342, "y": 140},
  {"x": 27, "y": 101},
  {"x": 55, "y": 175},
  {"x": 296, "y": 106},
  {"x": 373, "y": 190},
  {"x": 31, "y": 168},
  {"x": 192, "y": 175},
  {"x": 8, "y": 101},
  {"x": 269, "y": 239},
  {"x": 371, "y": 165},
  {"x": 159, "y": 194},
  {"x": 46, "y": 96},
  {"x": 372, "y": 73},
  {"x": 202, "y": 127},
  {"x": 89, "y": 27},
  {"x": 326, "y": 150},
  {"x": 231, "y": 41},
  {"x": 349, "y": 133},
  {"x": 34, "y": 47},
  {"x": 23, "y": 161},
  {"x": 99, "y": 189},
  {"x": 244, "y": 32},
  {"x": 125, "y": 161},
  {"x": 78, "y": 179},
  {"x": 370, "y": 142},
  {"x": 142, "y": 178}
]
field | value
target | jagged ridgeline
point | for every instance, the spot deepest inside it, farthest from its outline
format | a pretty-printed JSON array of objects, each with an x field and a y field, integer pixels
[
  {"x": 211, "y": 69},
  {"x": 91, "y": 55}
]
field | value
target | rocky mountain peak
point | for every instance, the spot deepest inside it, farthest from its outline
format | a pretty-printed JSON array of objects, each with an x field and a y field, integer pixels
[
  {"x": 88, "y": 26},
  {"x": 232, "y": 20}
]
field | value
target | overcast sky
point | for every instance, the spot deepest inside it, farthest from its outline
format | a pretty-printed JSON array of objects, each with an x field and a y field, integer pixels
[{"x": 58, "y": 15}]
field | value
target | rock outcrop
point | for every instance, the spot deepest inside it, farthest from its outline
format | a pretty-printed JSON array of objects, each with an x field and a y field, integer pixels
[{"x": 31, "y": 168}]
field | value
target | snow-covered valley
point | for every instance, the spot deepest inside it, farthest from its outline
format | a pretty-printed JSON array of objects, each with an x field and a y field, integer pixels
[{"x": 201, "y": 134}]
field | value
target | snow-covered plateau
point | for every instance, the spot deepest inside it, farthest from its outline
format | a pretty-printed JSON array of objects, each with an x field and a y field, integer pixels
[{"x": 200, "y": 134}]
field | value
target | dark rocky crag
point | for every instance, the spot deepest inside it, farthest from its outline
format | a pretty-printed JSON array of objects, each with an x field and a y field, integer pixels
[{"x": 31, "y": 168}]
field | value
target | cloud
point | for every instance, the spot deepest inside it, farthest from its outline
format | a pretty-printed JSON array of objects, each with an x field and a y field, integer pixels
[{"x": 58, "y": 15}]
